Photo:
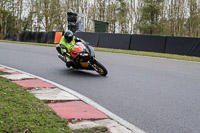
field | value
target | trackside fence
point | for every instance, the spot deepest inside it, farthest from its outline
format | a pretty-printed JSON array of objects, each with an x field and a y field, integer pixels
[{"x": 162, "y": 44}]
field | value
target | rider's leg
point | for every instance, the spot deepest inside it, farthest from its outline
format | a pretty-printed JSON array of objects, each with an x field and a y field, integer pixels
[
  {"x": 69, "y": 62},
  {"x": 64, "y": 58},
  {"x": 58, "y": 48},
  {"x": 60, "y": 55}
]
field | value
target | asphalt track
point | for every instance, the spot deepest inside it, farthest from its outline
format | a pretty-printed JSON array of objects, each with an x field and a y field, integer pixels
[{"x": 157, "y": 95}]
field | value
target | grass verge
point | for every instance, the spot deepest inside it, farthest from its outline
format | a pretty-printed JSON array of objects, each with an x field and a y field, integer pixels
[
  {"x": 4, "y": 73},
  {"x": 152, "y": 54},
  {"x": 132, "y": 52},
  {"x": 22, "y": 112},
  {"x": 29, "y": 43}
]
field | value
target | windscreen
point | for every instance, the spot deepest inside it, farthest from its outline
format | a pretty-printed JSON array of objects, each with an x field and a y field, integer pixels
[{"x": 82, "y": 45}]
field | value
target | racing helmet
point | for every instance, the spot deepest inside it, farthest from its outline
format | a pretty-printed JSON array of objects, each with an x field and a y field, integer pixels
[{"x": 68, "y": 36}]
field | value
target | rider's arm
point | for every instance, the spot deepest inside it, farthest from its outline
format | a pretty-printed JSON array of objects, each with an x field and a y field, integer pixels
[
  {"x": 79, "y": 40},
  {"x": 63, "y": 46}
]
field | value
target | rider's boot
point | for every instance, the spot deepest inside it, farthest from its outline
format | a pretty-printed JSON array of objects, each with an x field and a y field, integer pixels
[{"x": 68, "y": 62}]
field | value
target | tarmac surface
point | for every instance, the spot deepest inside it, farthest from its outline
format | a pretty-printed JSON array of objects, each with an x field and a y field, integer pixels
[{"x": 157, "y": 95}]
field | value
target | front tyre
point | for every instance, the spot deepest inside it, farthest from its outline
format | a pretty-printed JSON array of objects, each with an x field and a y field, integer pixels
[{"x": 99, "y": 68}]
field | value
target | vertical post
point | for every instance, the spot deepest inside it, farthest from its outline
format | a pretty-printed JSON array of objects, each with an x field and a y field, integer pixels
[
  {"x": 82, "y": 21},
  {"x": 72, "y": 19}
]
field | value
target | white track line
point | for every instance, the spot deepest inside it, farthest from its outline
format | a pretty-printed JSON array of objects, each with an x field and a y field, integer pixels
[{"x": 88, "y": 101}]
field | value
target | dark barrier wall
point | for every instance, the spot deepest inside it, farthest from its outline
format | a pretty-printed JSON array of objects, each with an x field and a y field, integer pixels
[
  {"x": 44, "y": 37},
  {"x": 21, "y": 37},
  {"x": 11, "y": 37},
  {"x": 183, "y": 46},
  {"x": 7, "y": 37},
  {"x": 33, "y": 35},
  {"x": 28, "y": 37},
  {"x": 117, "y": 41},
  {"x": 15, "y": 37},
  {"x": 148, "y": 43},
  {"x": 50, "y": 37},
  {"x": 92, "y": 38},
  {"x": 38, "y": 37},
  {"x": 162, "y": 44}
]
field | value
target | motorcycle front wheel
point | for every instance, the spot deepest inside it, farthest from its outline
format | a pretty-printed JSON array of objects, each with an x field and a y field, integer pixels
[{"x": 99, "y": 68}]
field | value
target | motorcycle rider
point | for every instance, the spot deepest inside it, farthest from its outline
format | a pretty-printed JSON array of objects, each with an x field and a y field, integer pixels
[{"x": 65, "y": 46}]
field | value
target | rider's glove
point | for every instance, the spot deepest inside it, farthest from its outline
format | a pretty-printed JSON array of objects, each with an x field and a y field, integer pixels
[{"x": 64, "y": 51}]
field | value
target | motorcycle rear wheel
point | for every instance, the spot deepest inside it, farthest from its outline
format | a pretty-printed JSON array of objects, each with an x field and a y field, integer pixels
[{"x": 99, "y": 68}]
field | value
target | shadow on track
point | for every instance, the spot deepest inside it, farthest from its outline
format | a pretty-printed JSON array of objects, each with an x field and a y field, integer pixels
[{"x": 80, "y": 73}]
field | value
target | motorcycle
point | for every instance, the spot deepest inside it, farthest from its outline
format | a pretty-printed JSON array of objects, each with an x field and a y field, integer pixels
[{"x": 83, "y": 57}]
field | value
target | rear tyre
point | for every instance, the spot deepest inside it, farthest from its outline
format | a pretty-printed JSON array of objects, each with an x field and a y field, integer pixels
[{"x": 99, "y": 68}]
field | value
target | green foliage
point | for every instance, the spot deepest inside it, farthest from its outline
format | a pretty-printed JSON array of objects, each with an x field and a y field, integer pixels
[
  {"x": 112, "y": 18},
  {"x": 4, "y": 12},
  {"x": 192, "y": 23},
  {"x": 149, "y": 22},
  {"x": 161, "y": 17},
  {"x": 6, "y": 22},
  {"x": 122, "y": 16},
  {"x": 11, "y": 24},
  {"x": 4, "y": 73}
]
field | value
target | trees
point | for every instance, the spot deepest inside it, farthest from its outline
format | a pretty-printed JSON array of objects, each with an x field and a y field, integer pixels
[
  {"x": 149, "y": 22},
  {"x": 4, "y": 15},
  {"x": 193, "y": 20},
  {"x": 161, "y": 17},
  {"x": 112, "y": 16},
  {"x": 3, "y": 21},
  {"x": 176, "y": 17},
  {"x": 122, "y": 16}
]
